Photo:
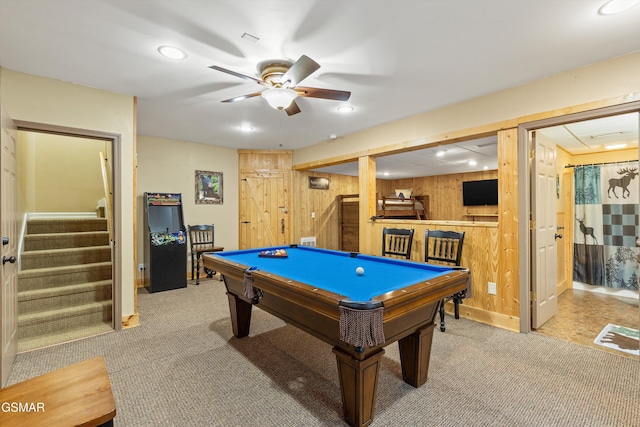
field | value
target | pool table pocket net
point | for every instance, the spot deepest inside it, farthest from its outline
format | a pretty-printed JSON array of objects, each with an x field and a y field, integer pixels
[{"x": 361, "y": 328}]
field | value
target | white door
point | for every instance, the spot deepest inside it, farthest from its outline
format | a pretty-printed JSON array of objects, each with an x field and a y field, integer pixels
[
  {"x": 9, "y": 230},
  {"x": 544, "y": 301}
]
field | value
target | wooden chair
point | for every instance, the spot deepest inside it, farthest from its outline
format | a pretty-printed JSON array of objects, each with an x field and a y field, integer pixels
[
  {"x": 445, "y": 247},
  {"x": 396, "y": 242},
  {"x": 202, "y": 238}
]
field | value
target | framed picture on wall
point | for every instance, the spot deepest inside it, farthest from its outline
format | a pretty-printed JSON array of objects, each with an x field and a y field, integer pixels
[
  {"x": 208, "y": 188},
  {"x": 318, "y": 183}
]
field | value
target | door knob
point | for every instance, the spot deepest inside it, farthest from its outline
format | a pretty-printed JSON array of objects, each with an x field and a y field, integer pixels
[
  {"x": 11, "y": 259},
  {"x": 5, "y": 240},
  {"x": 558, "y": 236}
]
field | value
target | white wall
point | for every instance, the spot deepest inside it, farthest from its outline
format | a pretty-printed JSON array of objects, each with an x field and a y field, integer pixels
[
  {"x": 41, "y": 100},
  {"x": 168, "y": 166}
]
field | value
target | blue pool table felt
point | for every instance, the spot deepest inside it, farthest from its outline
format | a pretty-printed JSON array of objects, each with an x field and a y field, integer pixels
[{"x": 335, "y": 271}]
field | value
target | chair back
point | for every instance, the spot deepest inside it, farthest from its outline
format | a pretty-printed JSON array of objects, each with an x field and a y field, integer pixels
[
  {"x": 201, "y": 236},
  {"x": 443, "y": 246},
  {"x": 397, "y": 242}
]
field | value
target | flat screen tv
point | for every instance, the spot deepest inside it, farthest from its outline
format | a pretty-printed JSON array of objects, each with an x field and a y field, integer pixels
[{"x": 480, "y": 193}]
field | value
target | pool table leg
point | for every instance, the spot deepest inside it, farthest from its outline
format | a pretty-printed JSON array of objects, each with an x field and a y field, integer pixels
[
  {"x": 240, "y": 315},
  {"x": 415, "y": 351},
  {"x": 359, "y": 385}
]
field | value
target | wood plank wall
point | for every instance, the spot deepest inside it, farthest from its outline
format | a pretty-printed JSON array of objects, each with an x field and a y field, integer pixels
[
  {"x": 479, "y": 254},
  {"x": 445, "y": 194},
  {"x": 325, "y": 225}
]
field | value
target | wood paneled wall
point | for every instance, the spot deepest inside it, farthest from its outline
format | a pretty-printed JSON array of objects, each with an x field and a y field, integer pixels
[
  {"x": 445, "y": 194},
  {"x": 322, "y": 203}
]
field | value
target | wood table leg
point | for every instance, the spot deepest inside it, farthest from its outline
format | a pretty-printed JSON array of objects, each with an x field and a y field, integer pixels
[
  {"x": 415, "y": 351},
  {"x": 240, "y": 315},
  {"x": 359, "y": 386}
]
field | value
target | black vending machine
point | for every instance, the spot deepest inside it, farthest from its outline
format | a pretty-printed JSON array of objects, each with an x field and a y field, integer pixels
[{"x": 165, "y": 246}]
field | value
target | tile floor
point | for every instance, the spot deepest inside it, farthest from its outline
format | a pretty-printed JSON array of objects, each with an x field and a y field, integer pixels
[{"x": 583, "y": 314}]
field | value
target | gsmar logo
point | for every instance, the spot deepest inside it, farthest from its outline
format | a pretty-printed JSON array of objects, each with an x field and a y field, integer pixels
[{"x": 22, "y": 407}]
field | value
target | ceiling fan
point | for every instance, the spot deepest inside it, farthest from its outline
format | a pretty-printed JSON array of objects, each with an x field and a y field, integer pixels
[{"x": 281, "y": 80}]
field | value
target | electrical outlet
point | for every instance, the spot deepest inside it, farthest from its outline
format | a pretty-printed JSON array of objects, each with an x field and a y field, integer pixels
[
  {"x": 140, "y": 267},
  {"x": 492, "y": 288}
]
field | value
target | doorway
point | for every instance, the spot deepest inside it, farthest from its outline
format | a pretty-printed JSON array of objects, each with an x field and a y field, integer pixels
[
  {"x": 68, "y": 179},
  {"x": 583, "y": 150}
]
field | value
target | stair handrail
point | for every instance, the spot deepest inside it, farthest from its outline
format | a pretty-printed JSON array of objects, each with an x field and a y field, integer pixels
[{"x": 106, "y": 180}]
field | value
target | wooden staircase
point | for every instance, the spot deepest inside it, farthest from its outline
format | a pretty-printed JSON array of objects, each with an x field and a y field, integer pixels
[{"x": 65, "y": 282}]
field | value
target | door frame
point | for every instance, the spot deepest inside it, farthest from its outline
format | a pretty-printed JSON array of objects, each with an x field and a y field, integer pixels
[
  {"x": 116, "y": 154},
  {"x": 524, "y": 183}
]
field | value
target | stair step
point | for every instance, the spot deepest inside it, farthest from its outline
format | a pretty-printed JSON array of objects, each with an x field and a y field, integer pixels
[
  {"x": 65, "y": 225},
  {"x": 42, "y": 278},
  {"x": 61, "y": 257},
  {"x": 27, "y": 344},
  {"x": 60, "y": 320},
  {"x": 63, "y": 296},
  {"x": 37, "y": 242}
]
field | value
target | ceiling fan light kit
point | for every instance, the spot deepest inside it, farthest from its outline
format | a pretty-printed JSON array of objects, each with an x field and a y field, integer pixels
[
  {"x": 279, "y": 98},
  {"x": 282, "y": 79}
]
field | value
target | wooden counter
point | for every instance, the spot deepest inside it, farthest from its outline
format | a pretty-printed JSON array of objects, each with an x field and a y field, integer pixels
[{"x": 77, "y": 395}]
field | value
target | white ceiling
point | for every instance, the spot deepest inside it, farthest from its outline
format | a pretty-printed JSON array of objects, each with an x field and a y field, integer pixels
[
  {"x": 398, "y": 58},
  {"x": 576, "y": 138}
]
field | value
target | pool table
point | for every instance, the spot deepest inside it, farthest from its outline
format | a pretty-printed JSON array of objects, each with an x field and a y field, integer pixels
[{"x": 320, "y": 292}]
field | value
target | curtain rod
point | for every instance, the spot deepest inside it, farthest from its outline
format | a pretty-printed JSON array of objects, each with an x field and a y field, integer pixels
[{"x": 603, "y": 163}]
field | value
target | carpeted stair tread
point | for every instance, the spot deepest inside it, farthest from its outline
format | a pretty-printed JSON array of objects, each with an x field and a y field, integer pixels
[
  {"x": 35, "y": 242},
  {"x": 53, "y": 277},
  {"x": 61, "y": 290},
  {"x": 65, "y": 225},
  {"x": 51, "y": 315},
  {"x": 67, "y": 256},
  {"x": 63, "y": 297},
  {"x": 27, "y": 344}
]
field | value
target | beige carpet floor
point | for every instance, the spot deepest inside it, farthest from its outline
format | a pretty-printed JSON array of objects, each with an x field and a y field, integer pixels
[{"x": 183, "y": 367}]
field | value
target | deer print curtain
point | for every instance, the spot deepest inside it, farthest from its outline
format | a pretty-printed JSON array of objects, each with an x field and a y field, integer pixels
[{"x": 606, "y": 228}]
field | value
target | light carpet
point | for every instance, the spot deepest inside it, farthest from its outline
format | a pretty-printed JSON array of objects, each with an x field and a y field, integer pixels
[{"x": 183, "y": 367}]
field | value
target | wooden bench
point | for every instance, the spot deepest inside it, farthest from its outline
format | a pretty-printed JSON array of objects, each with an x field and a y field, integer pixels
[{"x": 77, "y": 395}]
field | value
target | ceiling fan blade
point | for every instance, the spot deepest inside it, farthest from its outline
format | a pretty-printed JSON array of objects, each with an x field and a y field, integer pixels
[
  {"x": 242, "y": 76},
  {"x": 292, "y": 109},
  {"x": 241, "y": 97},
  {"x": 314, "y": 92},
  {"x": 299, "y": 71}
]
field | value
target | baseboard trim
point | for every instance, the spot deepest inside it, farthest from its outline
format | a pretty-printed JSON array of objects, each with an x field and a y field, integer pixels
[{"x": 503, "y": 321}]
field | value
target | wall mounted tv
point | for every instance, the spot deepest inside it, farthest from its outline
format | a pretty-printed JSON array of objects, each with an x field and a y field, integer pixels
[{"x": 480, "y": 193}]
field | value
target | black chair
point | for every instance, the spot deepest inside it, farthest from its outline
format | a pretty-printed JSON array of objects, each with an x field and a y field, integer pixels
[
  {"x": 445, "y": 247},
  {"x": 396, "y": 242},
  {"x": 201, "y": 237}
]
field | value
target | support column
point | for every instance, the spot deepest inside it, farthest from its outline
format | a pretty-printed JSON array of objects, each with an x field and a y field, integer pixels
[{"x": 368, "y": 202}]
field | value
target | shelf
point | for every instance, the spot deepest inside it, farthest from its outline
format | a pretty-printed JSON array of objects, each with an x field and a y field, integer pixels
[{"x": 474, "y": 216}]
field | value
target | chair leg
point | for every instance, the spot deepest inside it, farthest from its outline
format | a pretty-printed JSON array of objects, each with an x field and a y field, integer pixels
[
  {"x": 442, "y": 315},
  {"x": 193, "y": 266},
  {"x": 198, "y": 269}
]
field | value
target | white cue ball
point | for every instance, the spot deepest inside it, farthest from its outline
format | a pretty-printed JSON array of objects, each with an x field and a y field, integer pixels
[{"x": 360, "y": 271}]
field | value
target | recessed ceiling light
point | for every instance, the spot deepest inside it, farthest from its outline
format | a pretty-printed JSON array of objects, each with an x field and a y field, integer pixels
[
  {"x": 345, "y": 109},
  {"x": 246, "y": 128},
  {"x": 615, "y": 146},
  {"x": 172, "y": 52},
  {"x": 486, "y": 168},
  {"x": 385, "y": 173},
  {"x": 616, "y": 6},
  {"x": 472, "y": 163},
  {"x": 333, "y": 136},
  {"x": 441, "y": 153}
]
